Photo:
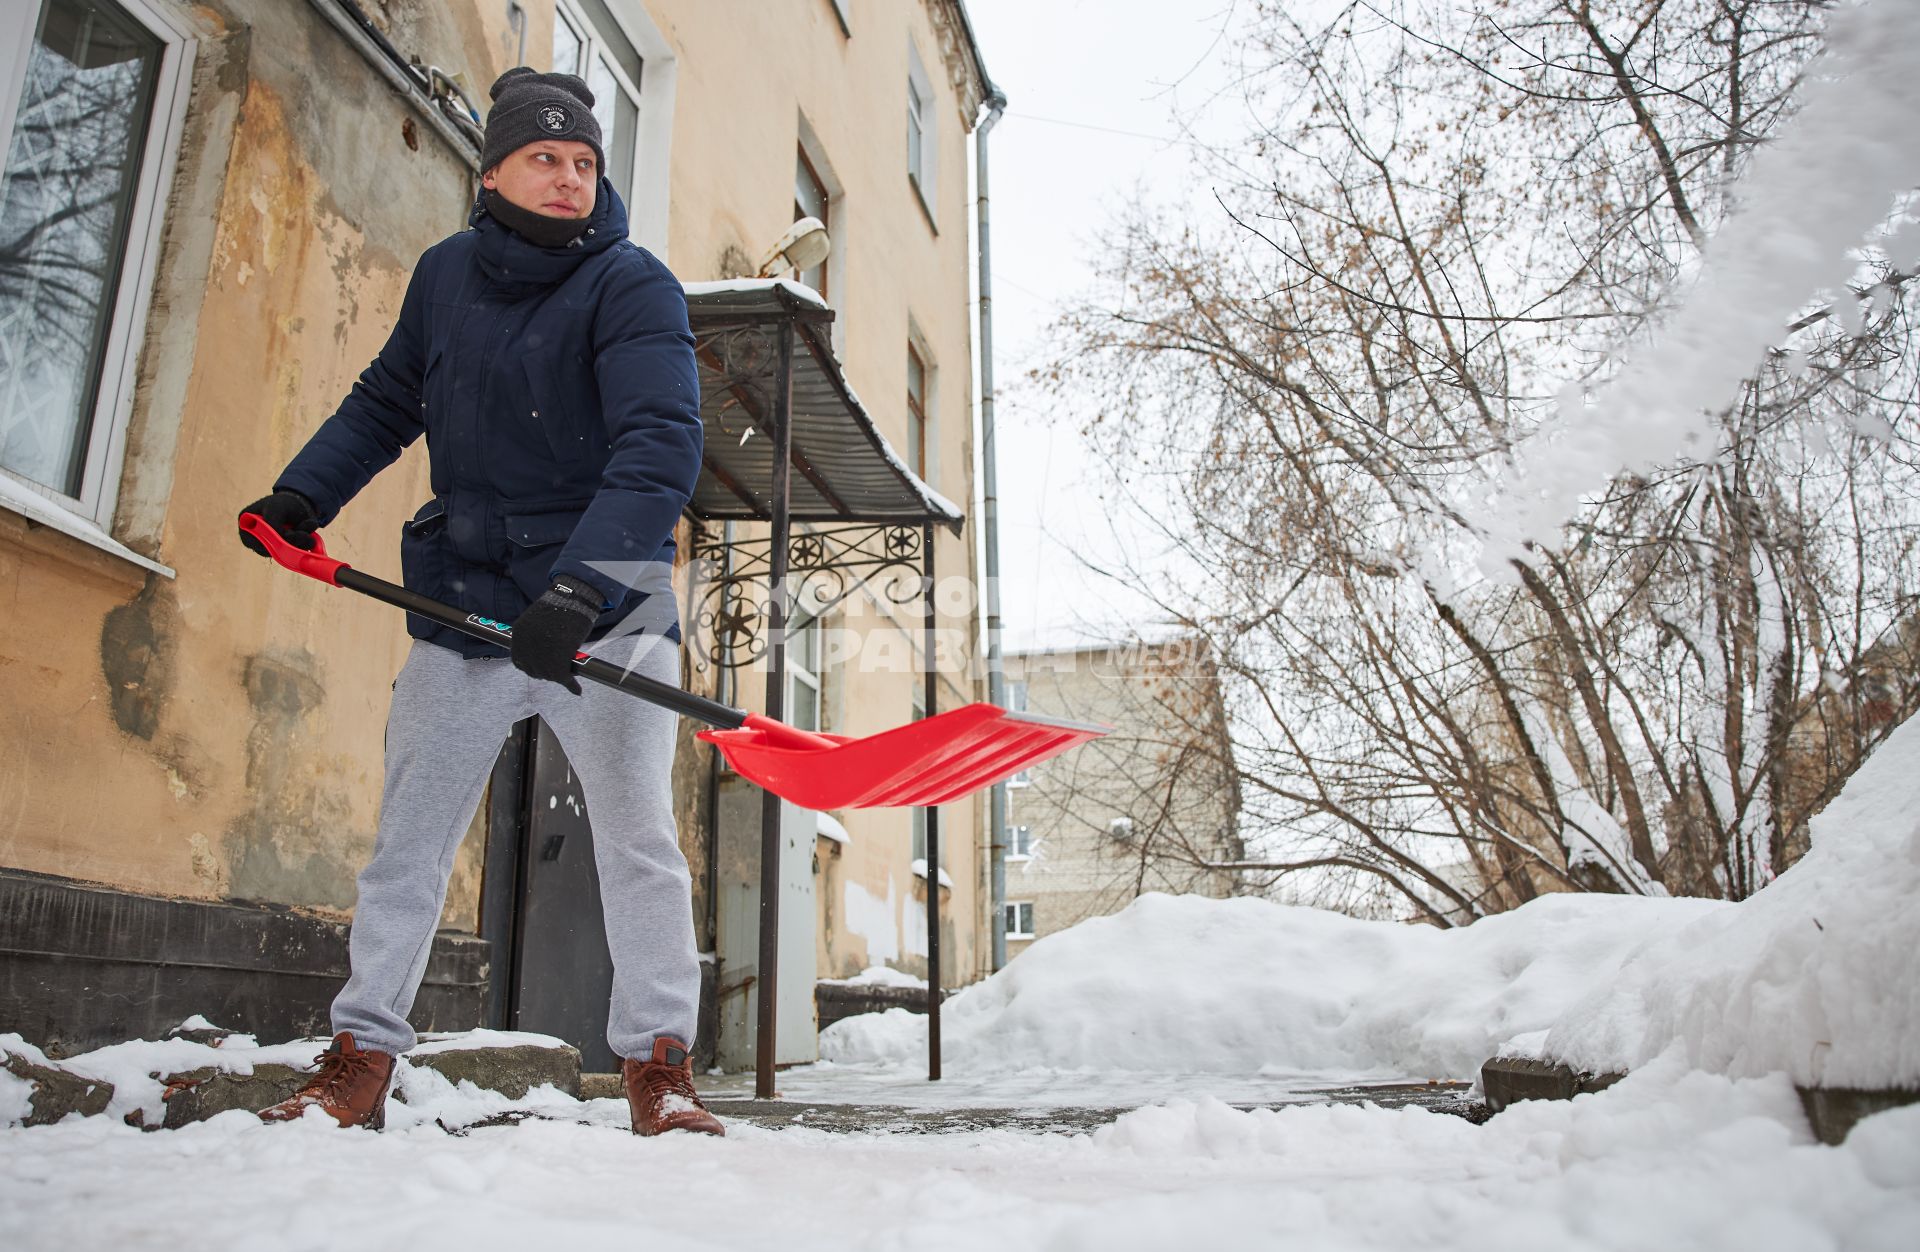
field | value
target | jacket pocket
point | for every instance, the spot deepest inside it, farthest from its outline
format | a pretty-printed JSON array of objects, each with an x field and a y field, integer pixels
[
  {"x": 534, "y": 542},
  {"x": 426, "y": 566}
]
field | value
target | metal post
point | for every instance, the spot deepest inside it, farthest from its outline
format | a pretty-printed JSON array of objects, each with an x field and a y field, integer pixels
[
  {"x": 932, "y": 706},
  {"x": 768, "y": 983}
]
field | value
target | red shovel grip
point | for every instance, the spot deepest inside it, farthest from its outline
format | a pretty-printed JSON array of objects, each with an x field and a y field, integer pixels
[{"x": 314, "y": 564}]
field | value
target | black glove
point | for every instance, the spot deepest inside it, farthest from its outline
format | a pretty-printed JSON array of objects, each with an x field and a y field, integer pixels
[
  {"x": 289, "y": 513},
  {"x": 550, "y": 632}
]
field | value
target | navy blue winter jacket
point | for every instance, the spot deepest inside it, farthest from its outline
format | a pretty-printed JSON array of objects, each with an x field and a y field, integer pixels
[{"x": 561, "y": 404}]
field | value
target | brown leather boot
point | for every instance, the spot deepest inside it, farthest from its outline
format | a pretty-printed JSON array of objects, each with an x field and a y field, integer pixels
[
  {"x": 660, "y": 1092},
  {"x": 351, "y": 1087}
]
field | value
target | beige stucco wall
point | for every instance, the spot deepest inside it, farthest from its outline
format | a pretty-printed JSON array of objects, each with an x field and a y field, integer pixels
[
  {"x": 747, "y": 74},
  {"x": 219, "y": 734}
]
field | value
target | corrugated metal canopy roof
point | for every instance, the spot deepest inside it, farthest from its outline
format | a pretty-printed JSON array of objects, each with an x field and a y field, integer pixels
[{"x": 842, "y": 468}]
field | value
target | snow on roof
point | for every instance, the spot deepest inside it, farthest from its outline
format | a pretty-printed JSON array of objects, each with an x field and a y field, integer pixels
[
  {"x": 726, "y": 286},
  {"x": 845, "y": 471},
  {"x": 920, "y": 871},
  {"x": 826, "y": 827}
]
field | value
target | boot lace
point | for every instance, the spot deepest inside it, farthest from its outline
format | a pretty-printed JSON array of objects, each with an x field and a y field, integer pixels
[
  {"x": 338, "y": 1070},
  {"x": 658, "y": 1082}
]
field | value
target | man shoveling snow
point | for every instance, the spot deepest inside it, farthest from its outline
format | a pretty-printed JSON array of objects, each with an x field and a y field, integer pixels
[{"x": 548, "y": 362}]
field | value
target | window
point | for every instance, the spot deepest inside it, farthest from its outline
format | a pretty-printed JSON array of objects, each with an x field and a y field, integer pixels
[
  {"x": 1017, "y": 703},
  {"x": 803, "y": 673},
  {"x": 922, "y": 149},
  {"x": 1019, "y": 920},
  {"x": 588, "y": 41},
  {"x": 1019, "y": 843},
  {"x": 916, "y": 412},
  {"x": 87, "y": 140},
  {"x": 810, "y": 199}
]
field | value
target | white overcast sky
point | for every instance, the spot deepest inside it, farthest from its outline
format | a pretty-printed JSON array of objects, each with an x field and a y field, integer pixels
[{"x": 1093, "y": 86}]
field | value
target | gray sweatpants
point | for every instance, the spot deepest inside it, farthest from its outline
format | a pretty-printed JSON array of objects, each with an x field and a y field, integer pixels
[{"x": 445, "y": 726}]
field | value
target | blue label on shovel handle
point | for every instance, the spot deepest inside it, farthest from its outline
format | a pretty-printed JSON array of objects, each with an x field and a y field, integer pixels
[{"x": 490, "y": 624}]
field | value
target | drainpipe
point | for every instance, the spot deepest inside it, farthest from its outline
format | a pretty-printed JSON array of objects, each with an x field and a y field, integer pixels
[{"x": 996, "y": 675}]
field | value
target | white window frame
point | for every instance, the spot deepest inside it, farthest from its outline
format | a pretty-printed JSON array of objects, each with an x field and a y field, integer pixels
[
  {"x": 929, "y": 401},
  {"x": 803, "y": 668},
  {"x": 1010, "y": 919},
  {"x": 650, "y": 197},
  {"x": 836, "y": 189},
  {"x": 925, "y": 174},
  {"x": 89, "y": 515},
  {"x": 1017, "y": 693},
  {"x": 1016, "y": 842}
]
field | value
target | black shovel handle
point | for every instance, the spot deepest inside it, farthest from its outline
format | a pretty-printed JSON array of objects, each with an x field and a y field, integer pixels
[{"x": 318, "y": 565}]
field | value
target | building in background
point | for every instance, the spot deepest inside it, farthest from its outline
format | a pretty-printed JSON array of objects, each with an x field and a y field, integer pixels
[
  {"x": 207, "y": 221},
  {"x": 1153, "y": 806}
]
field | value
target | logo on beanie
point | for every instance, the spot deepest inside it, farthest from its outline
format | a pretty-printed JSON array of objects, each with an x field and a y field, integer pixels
[{"x": 555, "y": 120}]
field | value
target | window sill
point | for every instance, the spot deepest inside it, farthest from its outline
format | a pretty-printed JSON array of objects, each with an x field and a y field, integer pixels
[
  {"x": 18, "y": 498},
  {"x": 1017, "y": 859}
]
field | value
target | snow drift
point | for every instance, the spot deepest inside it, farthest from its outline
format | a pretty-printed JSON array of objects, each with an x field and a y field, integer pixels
[
  {"x": 1186, "y": 984},
  {"x": 1815, "y": 976}
]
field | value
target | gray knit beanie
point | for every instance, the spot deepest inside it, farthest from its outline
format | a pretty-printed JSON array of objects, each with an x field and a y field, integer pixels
[{"x": 529, "y": 106}]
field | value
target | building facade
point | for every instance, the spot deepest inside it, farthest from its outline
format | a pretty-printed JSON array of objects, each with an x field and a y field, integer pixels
[
  {"x": 208, "y": 219},
  {"x": 1153, "y": 806}
]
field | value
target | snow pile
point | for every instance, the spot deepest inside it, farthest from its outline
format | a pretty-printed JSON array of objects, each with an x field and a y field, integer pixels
[
  {"x": 138, "y": 1069},
  {"x": 1666, "y": 1159},
  {"x": 1186, "y": 984},
  {"x": 1814, "y": 976},
  {"x": 1810, "y": 198}
]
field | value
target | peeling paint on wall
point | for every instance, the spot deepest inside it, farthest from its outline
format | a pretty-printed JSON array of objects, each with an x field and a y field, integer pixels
[
  {"x": 135, "y": 659},
  {"x": 876, "y": 921},
  {"x": 288, "y": 846}
]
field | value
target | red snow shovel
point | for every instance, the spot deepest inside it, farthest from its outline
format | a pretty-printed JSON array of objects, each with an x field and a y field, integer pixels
[{"x": 931, "y": 761}]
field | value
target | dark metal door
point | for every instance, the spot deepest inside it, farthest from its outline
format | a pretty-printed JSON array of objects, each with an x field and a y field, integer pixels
[{"x": 552, "y": 972}]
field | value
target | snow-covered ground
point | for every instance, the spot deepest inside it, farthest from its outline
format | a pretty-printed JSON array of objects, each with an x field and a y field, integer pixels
[
  {"x": 1667, "y": 1159},
  {"x": 1717, "y": 1009}
]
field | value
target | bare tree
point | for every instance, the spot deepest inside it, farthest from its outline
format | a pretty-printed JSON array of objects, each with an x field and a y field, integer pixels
[{"x": 1451, "y": 216}]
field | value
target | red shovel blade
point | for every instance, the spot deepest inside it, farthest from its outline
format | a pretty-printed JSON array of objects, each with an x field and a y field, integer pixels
[{"x": 931, "y": 761}]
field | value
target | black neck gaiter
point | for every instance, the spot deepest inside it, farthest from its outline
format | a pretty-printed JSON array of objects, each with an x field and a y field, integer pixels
[{"x": 536, "y": 228}]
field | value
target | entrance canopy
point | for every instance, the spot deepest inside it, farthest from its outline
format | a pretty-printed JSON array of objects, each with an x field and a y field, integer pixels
[
  {"x": 787, "y": 441},
  {"x": 841, "y": 468}
]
